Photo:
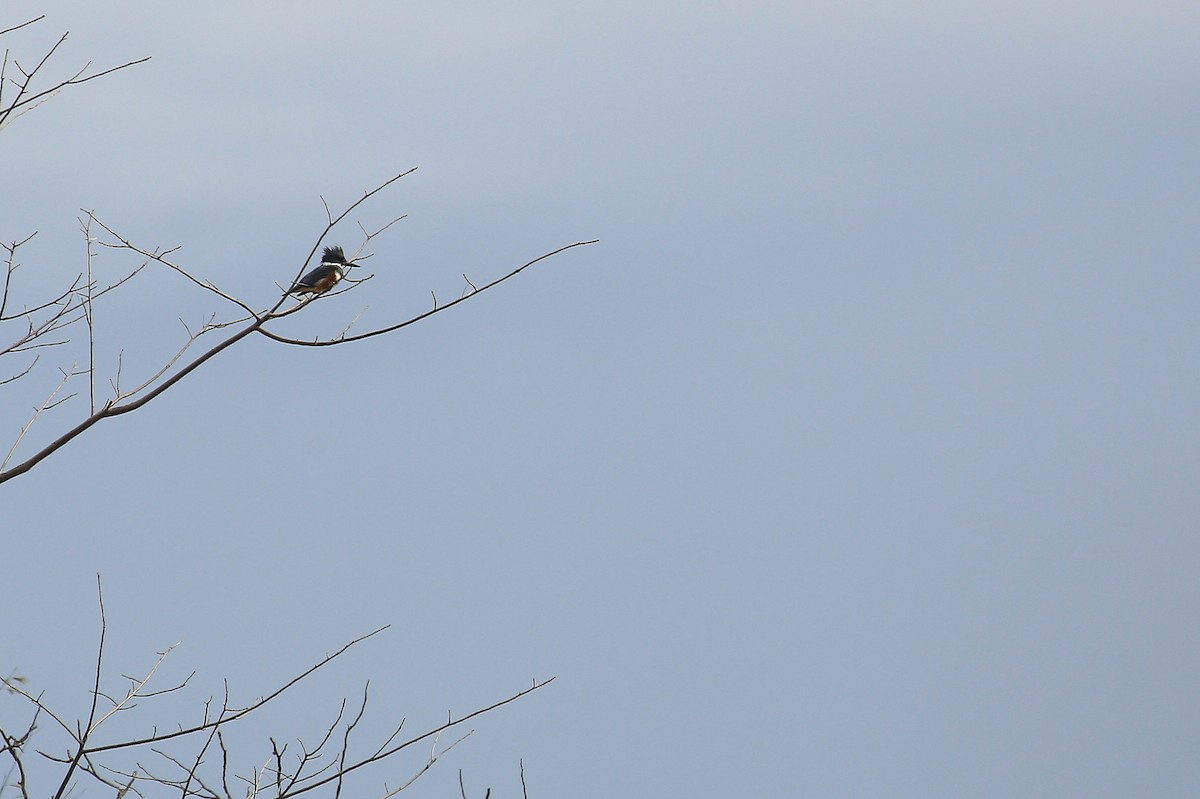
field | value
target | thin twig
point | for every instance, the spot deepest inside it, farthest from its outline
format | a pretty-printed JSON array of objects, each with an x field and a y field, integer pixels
[
  {"x": 333, "y": 221},
  {"x": 436, "y": 308},
  {"x": 21, "y": 374},
  {"x": 90, "y": 726},
  {"x": 22, "y": 25},
  {"x": 434, "y": 755},
  {"x": 49, "y": 403},
  {"x": 238, "y": 714},
  {"x": 67, "y": 312},
  {"x": 88, "y": 313},
  {"x": 429, "y": 734}
]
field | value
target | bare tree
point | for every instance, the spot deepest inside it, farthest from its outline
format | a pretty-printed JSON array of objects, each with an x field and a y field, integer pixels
[
  {"x": 197, "y": 759},
  {"x": 28, "y": 330}
]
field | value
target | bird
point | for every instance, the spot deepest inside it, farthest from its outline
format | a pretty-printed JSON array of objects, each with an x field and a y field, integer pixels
[{"x": 320, "y": 280}]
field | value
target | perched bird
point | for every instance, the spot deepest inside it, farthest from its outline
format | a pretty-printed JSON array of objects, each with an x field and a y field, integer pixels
[{"x": 320, "y": 280}]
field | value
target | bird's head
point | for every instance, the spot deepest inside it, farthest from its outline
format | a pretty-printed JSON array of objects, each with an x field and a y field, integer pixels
[{"x": 333, "y": 255}]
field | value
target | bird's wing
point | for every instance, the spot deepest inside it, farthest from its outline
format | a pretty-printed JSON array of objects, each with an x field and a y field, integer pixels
[{"x": 312, "y": 277}]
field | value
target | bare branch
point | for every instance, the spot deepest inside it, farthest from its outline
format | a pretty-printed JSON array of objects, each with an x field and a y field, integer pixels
[
  {"x": 192, "y": 776},
  {"x": 125, "y": 789},
  {"x": 237, "y": 714},
  {"x": 75, "y": 287},
  {"x": 333, "y": 221},
  {"x": 367, "y": 235},
  {"x": 66, "y": 309},
  {"x": 21, "y": 374},
  {"x": 452, "y": 722},
  {"x": 161, "y": 258},
  {"x": 39, "y": 706},
  {"x": 88, "y": 311},
  {"x": 23, "y": 85},
  {"x": 284, "y": 774},
  {"x": 49, "y": 403},
  {"x": 75, "y": 80},
  {"x": 224, "y": 758},
  {"x": 310, "y": 756},
  {"x": 436, "y": 308},
  {"x": 22, "y": 25},
  {"x": 434, "y": 755},
  {"x": 362, "y": 708},
  {"x": 135, "y": 690},
  {"x": 112, "y": 409},
  {"x": 78, "y": 303},
  {"x": 90, "y": 726},
  {"x": 10, "y": 261},
  {"x": 192, "y": 339},
  {"x": 13, "y": 744}
]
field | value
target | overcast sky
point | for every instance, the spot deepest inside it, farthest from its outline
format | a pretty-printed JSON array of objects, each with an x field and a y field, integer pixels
[{"x": 858, "y": 459}]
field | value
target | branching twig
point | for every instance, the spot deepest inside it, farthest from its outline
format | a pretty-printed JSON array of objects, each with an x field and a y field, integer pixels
[
  {"x": 161, "y": 382},
  {"x": 23, "y": 372},
  {"x": 436, "y": 308},
  {"x": 88, "y": 311},
  {"x": 452, "y": 722},
  {"x": 43, "y": 322},
  {"x": 86, "y": 730},
  {"x": 161, "y": 257},
  {"x": 434, "y": 755},
  {"x": 240, "y": 713},
  {"x": 22, "y": 25},
  {"x": 49, "y": 403},
  {"x": 24, "y": 96},
  {"x": 284, "y": 774}
]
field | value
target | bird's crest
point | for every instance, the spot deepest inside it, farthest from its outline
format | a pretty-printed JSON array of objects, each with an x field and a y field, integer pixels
[{"x": 333, "y": 255}]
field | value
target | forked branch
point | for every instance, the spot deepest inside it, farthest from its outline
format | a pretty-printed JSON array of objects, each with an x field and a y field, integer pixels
[
  {"x": 179, "y": 762},
  {"x": 81, "y": 298},
  {"x": 27, "y": 96}
]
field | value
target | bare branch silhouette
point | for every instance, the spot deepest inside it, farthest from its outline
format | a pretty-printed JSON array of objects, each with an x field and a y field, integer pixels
[
  {"x": 183, "y": 764},
  {"x": 80, "y": 300},
  {"x": 28, "y": 97},
  {"x": 197, "y": 759},
  {"x": 435, "y": 310},
  {"x": 28, "y": 330}
]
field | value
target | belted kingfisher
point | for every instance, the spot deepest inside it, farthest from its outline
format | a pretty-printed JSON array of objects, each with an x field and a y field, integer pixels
[{"x": 320, "y": 280}]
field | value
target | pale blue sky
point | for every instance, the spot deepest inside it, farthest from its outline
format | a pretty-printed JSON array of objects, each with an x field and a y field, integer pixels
[{"x": 859, "y": 459}]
